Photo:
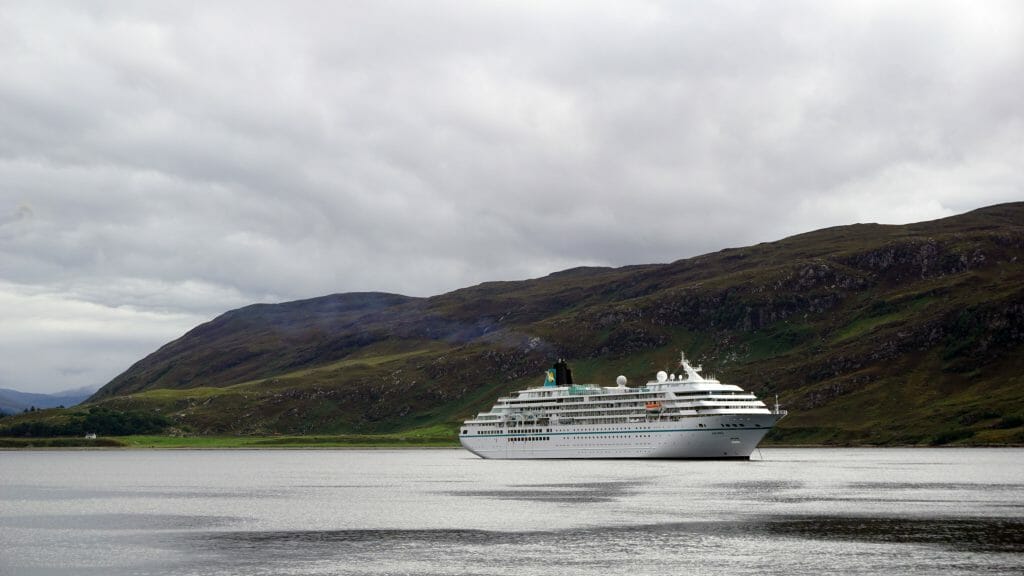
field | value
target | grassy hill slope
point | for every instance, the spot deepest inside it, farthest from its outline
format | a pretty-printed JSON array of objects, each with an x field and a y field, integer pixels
[{"x": 868, "y": 333}]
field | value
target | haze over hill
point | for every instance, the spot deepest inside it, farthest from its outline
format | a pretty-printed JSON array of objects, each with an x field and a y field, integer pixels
[
  {"x": 12, "y": 401},
  {"x": 868, "y": 333}
]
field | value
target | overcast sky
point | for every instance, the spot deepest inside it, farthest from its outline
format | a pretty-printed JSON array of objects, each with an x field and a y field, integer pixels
[{"x": 163, "y": 162}]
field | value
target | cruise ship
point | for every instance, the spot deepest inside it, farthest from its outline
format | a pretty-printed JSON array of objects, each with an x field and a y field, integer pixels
[{"x": 682, "y": 415}]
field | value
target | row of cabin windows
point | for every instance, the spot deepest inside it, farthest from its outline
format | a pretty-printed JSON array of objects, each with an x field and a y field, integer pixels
[
  {"x": 598, "y": 421},
  {"x": 539, "y": 430},
  {"x": 539, "y": 438},
  {"x": 588, "y": 398},
  {"x": 640, "y": 403},
  {"x": 641, "y": 396},
  {"x": 613, "y": 420},
  {"x": 605, "y": 436}
]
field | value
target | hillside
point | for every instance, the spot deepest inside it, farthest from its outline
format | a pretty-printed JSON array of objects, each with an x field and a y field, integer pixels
[{"x": 868, "y": 333}]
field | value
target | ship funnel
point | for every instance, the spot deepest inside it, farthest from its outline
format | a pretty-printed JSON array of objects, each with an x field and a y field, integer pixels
[{"x": 563, "y": 374}]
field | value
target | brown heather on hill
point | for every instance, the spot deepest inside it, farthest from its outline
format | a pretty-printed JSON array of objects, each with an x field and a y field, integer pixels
[{"x": 869, "y": 334}]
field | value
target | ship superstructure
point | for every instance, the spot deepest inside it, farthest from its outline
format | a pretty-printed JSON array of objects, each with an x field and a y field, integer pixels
[{"x": 681, "y": 415}]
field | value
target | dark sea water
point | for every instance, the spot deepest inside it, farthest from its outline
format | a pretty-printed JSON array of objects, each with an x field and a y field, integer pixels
[{"x": 789, "y": 511}]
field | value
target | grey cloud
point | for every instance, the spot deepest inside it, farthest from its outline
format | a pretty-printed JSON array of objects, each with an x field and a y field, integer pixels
[
  {"x": 22, "y": 213},
  {"x": 186, "y": 158}
]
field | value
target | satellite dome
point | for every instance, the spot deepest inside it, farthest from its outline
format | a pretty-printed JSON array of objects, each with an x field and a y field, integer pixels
[
  {"x": 662, "y": 376},
  {"x": 621, "y": 381}
]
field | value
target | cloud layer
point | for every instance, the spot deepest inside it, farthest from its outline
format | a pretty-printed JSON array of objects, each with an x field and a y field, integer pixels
[{"x": 161, "y": 163}]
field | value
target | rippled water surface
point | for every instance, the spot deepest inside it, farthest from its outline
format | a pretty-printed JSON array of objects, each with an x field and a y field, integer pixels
[{"x": 789, "y": 511}]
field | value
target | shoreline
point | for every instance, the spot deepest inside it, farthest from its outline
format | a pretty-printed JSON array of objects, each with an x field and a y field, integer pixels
[
  {"x": 297, "y": 443},
  {"x": 147, "y": 442},
  {"x": 232, "y": 448}
]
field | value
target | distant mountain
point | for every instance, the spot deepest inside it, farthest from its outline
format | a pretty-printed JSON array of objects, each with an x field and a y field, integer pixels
[
  {"x": 13, "y": 401},
  {"x": 869, "y": 334}
]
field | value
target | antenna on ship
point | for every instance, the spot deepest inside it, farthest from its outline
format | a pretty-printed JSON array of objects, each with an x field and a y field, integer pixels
[{"x": 692, "y": 372}]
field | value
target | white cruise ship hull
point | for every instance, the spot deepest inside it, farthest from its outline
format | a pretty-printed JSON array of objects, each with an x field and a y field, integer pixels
[{"x": 725, "y": 436}]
